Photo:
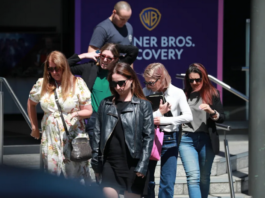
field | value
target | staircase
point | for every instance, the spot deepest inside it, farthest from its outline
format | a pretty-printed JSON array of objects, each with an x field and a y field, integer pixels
[{"x": 219, "y": 186}]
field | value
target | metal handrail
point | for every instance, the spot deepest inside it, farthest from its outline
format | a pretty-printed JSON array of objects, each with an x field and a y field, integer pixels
[
  {"x": 222, "y": 84},
  {"x": 23, "y": 112},
  {"x": 223, "y": 127},
  {"x": 245, "y": 68}
]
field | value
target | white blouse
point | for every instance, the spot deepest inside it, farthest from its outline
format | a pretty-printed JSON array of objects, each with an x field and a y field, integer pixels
[{"x": 178, "y": 101}]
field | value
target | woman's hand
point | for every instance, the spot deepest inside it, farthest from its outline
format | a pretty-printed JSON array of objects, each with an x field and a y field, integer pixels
[
  {"x": 157, "y": 121},
  {"x": 164, "y": 108},
  {"x": 69, "y": 119},
  {"x": 35, "y": 133},
  {"x": 74, "y": 114},
  {"x": 90, "y": 55},
  {"x": 140, "y": 175},
  {"x": 206, "y": 108}
]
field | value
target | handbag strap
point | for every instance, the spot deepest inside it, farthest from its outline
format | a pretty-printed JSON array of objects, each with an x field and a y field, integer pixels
[{"x": 60, "y": 109}]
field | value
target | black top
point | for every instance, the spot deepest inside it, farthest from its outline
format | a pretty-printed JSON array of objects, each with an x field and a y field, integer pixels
[
  {"x": 116, "y": 152},
  {"x": 216, "y": 105}
]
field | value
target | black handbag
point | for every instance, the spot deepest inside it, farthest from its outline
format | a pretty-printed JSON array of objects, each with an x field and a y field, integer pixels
[
  {"x": 81, "y": 149},
  {"x": 155, "y": 101}
]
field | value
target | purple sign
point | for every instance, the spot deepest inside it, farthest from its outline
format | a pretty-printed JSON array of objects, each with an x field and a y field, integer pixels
[{"x": 175, "y": 33}]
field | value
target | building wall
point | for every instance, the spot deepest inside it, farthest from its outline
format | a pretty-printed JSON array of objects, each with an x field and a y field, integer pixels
[
  {"x": 31, "y": 13},
  {"x": 31, "y": 16}
]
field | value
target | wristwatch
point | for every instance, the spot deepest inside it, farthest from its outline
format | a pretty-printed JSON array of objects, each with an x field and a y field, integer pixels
[{"x": 212, "y": 114}]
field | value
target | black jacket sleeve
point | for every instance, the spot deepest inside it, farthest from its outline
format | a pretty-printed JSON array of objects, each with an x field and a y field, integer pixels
[
  {"x": 96, "y": 161},
  {"x": 130, "y": 51},
  {"x": 73, "y": 60},
  {"x": 217, "y": 105},
  {"x": 75, "y": 68},
  {"x": 147, "y": 138}
]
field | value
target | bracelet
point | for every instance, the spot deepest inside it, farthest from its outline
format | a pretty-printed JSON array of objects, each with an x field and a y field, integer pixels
[
  {"x": 77, "y": 114},
  {"x": 212, "y": 114}
]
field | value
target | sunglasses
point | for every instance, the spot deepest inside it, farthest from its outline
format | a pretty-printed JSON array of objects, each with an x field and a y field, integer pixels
[
  {"x": 150, "y": 83},
  {"x": 104, "y": 56},
  {"x": 196, "y": 80},
  {"x": 121, "y": 83},
  {"x": 51, "y": 69}
]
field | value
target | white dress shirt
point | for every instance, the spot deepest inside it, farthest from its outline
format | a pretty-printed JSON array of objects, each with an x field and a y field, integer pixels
[{"x": 177, "y": 99}]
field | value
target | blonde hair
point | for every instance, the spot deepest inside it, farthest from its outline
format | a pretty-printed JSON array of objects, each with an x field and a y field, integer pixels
[
  {"x": 158, "y": 71},
  {"x": 68, "y": 79}
]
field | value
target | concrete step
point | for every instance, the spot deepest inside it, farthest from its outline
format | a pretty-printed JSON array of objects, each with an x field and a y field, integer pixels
[
  {"x": 31, "y": 161},
  {"x": 218, "y": 184},
  {"x": 219, "y": 166},
  {"x": 238, "y": 149}
]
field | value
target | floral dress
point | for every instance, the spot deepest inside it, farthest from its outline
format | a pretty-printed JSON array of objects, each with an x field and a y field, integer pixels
[{"x": 55, "y": 142}]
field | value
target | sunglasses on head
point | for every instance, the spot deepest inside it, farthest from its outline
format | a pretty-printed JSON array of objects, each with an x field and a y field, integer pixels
[
  {"x": 104, "y": 56},
  {"x": 196, "y": 80},
  {"x": 121, "y": 83},
  {"x": 150, "y": 83},
  {"x": 51, "y": 69}
]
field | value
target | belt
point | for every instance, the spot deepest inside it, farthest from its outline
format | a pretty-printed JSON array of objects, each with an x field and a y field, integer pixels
[{"x": 170, "y": 135}]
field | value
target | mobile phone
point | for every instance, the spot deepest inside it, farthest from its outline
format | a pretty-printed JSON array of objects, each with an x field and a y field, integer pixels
[{"x": 98, "y": 52}]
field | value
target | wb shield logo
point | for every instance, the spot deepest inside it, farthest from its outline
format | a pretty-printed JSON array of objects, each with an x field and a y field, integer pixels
[{"x": 150, "y": 17}]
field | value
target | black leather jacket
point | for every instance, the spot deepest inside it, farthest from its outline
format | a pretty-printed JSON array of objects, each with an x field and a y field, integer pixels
[{"x": 138, "y": 125}]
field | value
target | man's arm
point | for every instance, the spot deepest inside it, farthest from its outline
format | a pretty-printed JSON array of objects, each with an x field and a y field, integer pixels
[
  {"x": 92, "y": 48},
  {"x": 98, "y": 39}
]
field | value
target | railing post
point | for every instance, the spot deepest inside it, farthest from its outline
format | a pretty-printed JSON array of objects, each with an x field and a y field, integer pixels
[
  {"x": 1, "y": 125},
  {"x": 228, "y": 165}
]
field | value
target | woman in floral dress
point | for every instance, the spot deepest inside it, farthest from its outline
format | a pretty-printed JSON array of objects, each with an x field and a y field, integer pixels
[{"x": 75, "y": 102}]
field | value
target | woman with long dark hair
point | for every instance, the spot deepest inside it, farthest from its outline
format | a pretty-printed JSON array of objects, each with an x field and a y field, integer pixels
[
  {"x": 198, "y": 148},
  {"x": 123, "y": 136}
]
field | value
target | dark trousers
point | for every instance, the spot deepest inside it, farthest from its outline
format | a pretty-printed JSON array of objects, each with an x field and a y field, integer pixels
[{"x": 90, "y": 124}]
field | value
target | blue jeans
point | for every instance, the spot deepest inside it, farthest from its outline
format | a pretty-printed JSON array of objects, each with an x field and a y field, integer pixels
[
  {"x": 197, "y": 157},
  {"x": 169, "y": 156},
  {"x": 90, "y": 124}
]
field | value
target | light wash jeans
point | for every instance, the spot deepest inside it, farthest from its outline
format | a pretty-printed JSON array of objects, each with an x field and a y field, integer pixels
[{"x": 197, "y": 157}]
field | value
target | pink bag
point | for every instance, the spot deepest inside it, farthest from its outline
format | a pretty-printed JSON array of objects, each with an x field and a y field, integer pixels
[{"x": 157, "y": 146}]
